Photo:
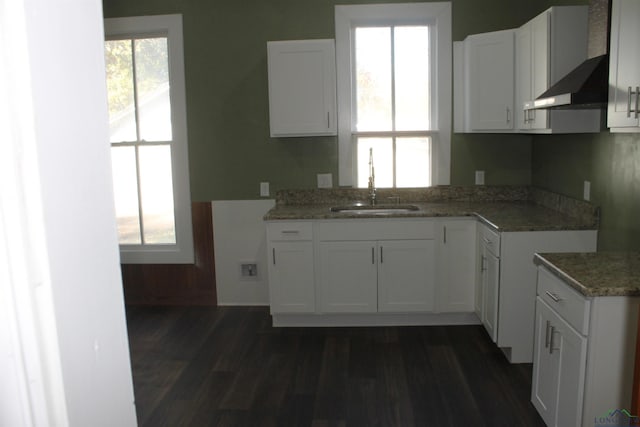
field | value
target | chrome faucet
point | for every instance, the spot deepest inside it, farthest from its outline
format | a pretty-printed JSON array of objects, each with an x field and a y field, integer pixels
[{"x": 372, "y": 180}]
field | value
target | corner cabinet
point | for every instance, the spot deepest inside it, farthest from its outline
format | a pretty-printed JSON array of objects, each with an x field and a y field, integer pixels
[
  {"x": 291, "y": 267},
  {"x": 484, "y": 88},
  {"x": 506, "y": 282},
  {"x": 548, "y": 47},
  {"x": 624, "y": 67},
  {"x": 302, "y": 88}
]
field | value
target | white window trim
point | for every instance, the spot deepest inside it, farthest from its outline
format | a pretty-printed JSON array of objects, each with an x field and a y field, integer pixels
[
  {"x": 171, "y": 27},
  {"x": 436, "y": 14}
]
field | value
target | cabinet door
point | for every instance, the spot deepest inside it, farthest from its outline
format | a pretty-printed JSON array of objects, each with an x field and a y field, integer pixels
[
  {"x": 624, "y": 65},
  {"x": 480, "y": 273},
  {"x": 291, "y": 278},
  {"x": 456, "y": 287},
  {"x": 523, "y": 75},
  {"x": 558, "y": 369},
  {"x": 539, "y": 27},
  {"x": 302, "y": 87},
  {"x": 532, "y": 70},
  {"x": 348, "y": 277},
  {"x": 544, "y": 386},
  {"x": 490, "y": 59},
  {"x": 406, "y": 275},
  {"x": 491, "y": 289}
]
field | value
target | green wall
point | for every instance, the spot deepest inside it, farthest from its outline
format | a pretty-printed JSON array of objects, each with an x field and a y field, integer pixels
[
  {"x": 230, "y": 150},
  {"x": 611, "y": 162}
]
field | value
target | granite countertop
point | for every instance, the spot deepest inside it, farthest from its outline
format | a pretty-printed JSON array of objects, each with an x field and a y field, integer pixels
[
  {"x": 503, "y": 216},
  {"x": 503, "y": 208},
  {"x": 596, "y": 274}
]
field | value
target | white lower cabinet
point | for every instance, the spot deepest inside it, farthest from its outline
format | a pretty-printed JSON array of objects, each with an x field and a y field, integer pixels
[
  {"x": 456, "y": 266},
  {"x": 490, "y": 293},
  {"x": 406, "y": 276},
  {"x": 559, "y": 365},
  {"x": 348, "y": 277},
  {"x": 506, "y": 282},
  {"x": 291, "y": 267},
  {"x": 394, "y": 276},
  {"x": 583, "y": 354}
]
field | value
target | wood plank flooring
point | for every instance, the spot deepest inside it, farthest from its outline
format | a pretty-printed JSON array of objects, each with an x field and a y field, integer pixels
[{"x": 213, "y": 366}]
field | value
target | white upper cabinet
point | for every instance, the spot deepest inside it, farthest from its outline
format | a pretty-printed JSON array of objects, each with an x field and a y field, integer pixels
[
  {"x": 302, "y": 87},
  {"x": 548, "y": 47},
  {"x": 488, "y": 80},
  {"x": 624, "y": 67}
]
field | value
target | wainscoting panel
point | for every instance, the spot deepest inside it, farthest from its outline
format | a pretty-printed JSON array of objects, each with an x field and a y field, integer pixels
[{"x": 177, "y": 284}]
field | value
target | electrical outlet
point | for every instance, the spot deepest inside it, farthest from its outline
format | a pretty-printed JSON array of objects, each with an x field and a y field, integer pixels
[
  {"x": 587, "y": 191},
  {"x": 325, "y": 180},
  {"x": 479, "y": 177},
  {"x": 264, "y": 189}
]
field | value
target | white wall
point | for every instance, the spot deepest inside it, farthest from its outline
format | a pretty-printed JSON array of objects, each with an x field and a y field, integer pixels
[
  {"x": 66, "y": 335},
  {"x": 239, "y": 236}
]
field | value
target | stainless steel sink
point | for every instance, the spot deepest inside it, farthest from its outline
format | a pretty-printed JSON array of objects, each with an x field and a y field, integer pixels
[{"x": 374, "y": 209}]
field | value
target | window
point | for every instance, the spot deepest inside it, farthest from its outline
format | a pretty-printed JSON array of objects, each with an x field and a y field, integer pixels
[
  {"x": 394, "y": 93},
  {"x": 147, "y": 120}
]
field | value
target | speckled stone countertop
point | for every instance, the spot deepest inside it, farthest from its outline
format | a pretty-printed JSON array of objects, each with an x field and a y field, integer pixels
[
  {"x": 504, "y": 208},
  {"x": 596, "y": 274}
]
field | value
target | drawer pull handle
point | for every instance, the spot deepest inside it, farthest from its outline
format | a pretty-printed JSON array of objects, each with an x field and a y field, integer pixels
[
  {"x": 487, "y": 241},
  {"x": 274, "y": 255},
  {"x": 553, "y": 331},
  {"x": 290, "y": 231},
  {"x": 553, "y": 296}
]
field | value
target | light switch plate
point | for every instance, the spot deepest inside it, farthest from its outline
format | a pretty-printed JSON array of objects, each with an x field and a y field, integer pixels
[
  {"x": 264, "y": 189},
  {"x": 325, "y": 180},
  {"x": 479, "y": 177},
  {"x": 587, "y": 190}
]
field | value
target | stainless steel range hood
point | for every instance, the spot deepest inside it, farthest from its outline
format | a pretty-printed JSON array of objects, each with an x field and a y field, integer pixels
[{"x": 587, "y": 85}]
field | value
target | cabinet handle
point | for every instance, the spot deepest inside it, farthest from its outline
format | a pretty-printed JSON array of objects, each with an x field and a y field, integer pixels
[
  {"x": 274, "y": 255},
  {"x": 328, "y": 126},
  {"x": 482, "y": 264},
  {"x": 546, "y": 335},
  {"x": 487, "y": 241},
  {"x": 381, "y": 255},
  {"x": 630, "y": 93},
  {"x": 445, "y": 234},
  {"x": 373, "y": 255},
  {"x": 553, "y": 331},
  {"x": 508, "y": 115},
  {"x": 553, "y": 296},
  {"x": 525, "y": 113},
  {"x": 290, "y": 231}
]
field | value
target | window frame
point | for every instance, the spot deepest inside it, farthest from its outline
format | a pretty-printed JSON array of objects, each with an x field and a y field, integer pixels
[
  {"x": 169, "y": 26},
  {"x": 438, "y": 16}
]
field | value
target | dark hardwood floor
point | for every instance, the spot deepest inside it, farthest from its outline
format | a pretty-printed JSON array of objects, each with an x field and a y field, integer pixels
[{"x": 212, "y": 366}]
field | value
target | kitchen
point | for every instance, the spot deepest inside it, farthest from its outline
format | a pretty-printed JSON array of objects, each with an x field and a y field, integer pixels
[{"x": 231, "y": 152}]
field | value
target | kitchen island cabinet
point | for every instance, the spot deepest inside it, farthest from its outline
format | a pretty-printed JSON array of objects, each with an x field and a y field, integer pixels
[{"x": 586, "y": 326}]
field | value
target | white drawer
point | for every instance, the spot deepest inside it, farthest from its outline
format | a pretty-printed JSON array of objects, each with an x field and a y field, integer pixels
[
  {"x": 372, "y": 229},
  {"x": 569, "y": 304},
  {"x": 289, "y": 230},
  {"x": 490, "y": 239}
]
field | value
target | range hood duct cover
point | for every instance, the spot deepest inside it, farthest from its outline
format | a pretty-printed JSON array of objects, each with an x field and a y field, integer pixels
[{"x": 587, "y": 86}]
